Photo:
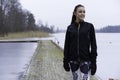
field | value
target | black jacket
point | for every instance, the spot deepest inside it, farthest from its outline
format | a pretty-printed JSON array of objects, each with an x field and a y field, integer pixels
[{"x": 80, "y": 43}]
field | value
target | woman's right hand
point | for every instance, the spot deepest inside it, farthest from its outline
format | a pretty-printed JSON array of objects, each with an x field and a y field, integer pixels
[{"x": 66, "y": 66}]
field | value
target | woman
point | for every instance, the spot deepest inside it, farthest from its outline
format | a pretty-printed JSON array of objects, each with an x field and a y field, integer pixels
[{"x": 80, "y": 49}]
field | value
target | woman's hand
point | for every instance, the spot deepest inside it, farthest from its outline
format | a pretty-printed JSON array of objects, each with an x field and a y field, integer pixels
[
  {"x": 66, "y": 66},
  {"x": 93, "y": 67}
]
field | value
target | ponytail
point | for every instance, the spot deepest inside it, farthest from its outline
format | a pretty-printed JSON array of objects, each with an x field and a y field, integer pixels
[{"x": 73, "y": 18}]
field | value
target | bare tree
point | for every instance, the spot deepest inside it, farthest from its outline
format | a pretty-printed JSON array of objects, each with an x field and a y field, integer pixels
[
  {"x": 14, "y": 19},
  {"x": 1, "y": 18},
  {"x": 30, "y": 21}
]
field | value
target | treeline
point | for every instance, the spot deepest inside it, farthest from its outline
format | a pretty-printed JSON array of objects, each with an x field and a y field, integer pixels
[
  {"x": 14, "y": 19},
  {"x": 110, "y": 29}
]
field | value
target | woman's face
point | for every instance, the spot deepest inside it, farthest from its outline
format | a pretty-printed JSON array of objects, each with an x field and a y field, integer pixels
[{"x": 80, "y": 14}]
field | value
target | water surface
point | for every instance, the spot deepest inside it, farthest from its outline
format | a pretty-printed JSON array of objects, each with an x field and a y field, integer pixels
[{"x": 14, "y": 59}]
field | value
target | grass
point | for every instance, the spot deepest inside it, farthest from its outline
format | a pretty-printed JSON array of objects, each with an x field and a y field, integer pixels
[
  {"x": 47, "y": 63},
  {"x": 30, "y": 34}
]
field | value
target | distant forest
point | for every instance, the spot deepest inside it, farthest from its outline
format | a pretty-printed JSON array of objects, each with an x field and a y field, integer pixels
[
  {"x": 14, "y": 19},
  {"x": 109, "y": 29}
]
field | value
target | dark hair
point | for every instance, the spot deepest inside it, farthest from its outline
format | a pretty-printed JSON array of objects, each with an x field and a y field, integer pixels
[{"x": 75, "y": 9}]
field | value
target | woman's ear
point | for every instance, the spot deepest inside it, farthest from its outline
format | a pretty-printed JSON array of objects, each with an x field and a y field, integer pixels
[{"x": 74, "y": 13}]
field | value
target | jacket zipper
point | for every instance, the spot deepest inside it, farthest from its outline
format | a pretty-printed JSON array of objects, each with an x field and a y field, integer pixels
[{"x": 78, "y": 42}]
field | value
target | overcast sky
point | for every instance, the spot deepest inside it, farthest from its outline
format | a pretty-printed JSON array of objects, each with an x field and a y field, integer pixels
[{"x": 59, "y": 12}]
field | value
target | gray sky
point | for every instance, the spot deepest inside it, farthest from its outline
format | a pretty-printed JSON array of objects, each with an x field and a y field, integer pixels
[{"x": 59, "y": 12}]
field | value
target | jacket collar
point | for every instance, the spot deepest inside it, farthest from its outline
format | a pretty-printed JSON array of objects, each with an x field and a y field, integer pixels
[{"x": 76, "y": 24}]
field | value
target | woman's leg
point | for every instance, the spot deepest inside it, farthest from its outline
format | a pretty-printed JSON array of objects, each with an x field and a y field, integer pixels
[
  {"x": 85, "y": 71},
  {"x": 76, "y": 75},
  {"x": 82, "y": 68},
  {"x": 75, "y": 70}
]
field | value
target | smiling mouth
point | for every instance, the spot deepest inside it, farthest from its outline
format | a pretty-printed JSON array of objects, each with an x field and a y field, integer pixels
[{"x": 82, "y": 16}]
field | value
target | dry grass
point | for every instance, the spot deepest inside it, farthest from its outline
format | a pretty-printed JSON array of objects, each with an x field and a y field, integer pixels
[{"x": 30, "y": 34}]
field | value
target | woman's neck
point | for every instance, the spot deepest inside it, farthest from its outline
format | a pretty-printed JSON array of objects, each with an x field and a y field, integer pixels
[{"x": 78, "y": 21}]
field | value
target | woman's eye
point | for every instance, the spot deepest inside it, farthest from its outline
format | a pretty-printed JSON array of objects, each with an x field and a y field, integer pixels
[{"x": 81, "y": 11}]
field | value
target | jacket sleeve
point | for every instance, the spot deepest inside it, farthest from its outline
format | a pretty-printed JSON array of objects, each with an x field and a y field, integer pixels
[
  {"x": 66, "y": 46},
  {"x": 93, "y": 43}
]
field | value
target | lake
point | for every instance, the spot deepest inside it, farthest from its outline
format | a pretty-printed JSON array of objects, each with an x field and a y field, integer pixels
[
  {"x": 108, "y": 48},
  {"x": 14, "y": 59}
]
